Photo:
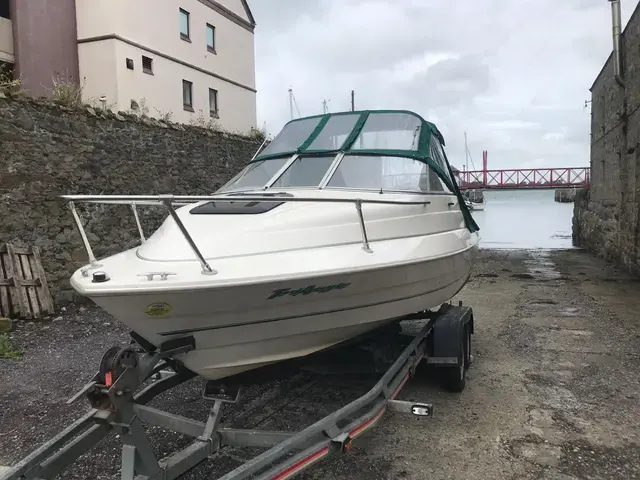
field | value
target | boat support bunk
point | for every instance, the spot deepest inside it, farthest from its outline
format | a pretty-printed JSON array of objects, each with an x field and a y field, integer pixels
[{"x": 444, "y": 341}]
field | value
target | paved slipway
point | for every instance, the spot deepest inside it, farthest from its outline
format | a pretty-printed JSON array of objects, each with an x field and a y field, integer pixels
[{"x": 553, "y": 393}]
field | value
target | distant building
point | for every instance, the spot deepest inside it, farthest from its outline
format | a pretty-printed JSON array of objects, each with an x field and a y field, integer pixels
[{"x": 191, "y": 58}]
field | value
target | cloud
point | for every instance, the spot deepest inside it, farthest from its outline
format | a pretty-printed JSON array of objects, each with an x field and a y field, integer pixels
[{"x": 513, "y": 75}]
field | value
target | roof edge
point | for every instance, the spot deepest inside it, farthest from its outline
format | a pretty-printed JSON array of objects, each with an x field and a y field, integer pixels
[
  {"x": 248, "y": 25},
  {"x": 249, "y": 13}
]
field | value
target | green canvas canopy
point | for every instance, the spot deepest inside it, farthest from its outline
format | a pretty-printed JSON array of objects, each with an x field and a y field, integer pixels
[
  {"x": 317, "y": 134},
  {"x": 388, "y": 133}
]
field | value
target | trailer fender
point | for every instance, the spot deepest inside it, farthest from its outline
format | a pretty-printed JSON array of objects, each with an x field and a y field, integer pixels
[{"x": 448, "y": 331}]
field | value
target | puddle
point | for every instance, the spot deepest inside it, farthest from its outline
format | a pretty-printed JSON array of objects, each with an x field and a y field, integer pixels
[
  {"x": 541, "y": 267},
  {"x": 541, "y": 303},
  {"x": 569, "y": 312}
]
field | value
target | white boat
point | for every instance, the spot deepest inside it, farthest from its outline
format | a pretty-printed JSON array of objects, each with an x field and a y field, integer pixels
[
  {"x": 474, "y": 206},
  {"x": 345, "y": 222}
]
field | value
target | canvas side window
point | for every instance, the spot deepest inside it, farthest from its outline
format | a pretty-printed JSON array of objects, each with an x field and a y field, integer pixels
[
  {"x": 437, "y": 155},
  {"x": 386, "y": 173},
  {"x": 389, "y": 131}
]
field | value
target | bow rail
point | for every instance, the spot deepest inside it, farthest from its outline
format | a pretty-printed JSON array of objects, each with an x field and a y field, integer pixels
[{"x": 170, "y": 201}]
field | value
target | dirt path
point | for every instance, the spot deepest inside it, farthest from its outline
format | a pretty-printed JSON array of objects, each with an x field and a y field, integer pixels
[{"x": 554, "y": 391}]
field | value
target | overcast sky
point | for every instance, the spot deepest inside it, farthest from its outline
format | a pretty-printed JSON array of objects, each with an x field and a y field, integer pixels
[{"x": 513, "y": 74}]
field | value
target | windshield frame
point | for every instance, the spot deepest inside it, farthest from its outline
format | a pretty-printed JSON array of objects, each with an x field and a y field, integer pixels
[
  {"x": 324, "y": 182},
  {"x": 225, "y": 187}
]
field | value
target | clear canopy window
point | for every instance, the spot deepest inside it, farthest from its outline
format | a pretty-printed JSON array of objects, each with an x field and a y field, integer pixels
[
  {"x": 387, "y": 174},
  {"x": 292, "y": 136},
  {"x": 255, "y": 175},
  {"x": 304, "y": 172},
  {"x": 335, "y": 132},
  {"x": 437, "y": 155},
  {"x": 389, "y": 131}
]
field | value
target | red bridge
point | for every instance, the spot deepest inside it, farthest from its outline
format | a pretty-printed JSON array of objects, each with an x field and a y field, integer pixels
[{"x": 522, "y": 178}]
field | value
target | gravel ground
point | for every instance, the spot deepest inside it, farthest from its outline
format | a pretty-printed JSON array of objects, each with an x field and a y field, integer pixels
[{"x": 553, "y": 393}]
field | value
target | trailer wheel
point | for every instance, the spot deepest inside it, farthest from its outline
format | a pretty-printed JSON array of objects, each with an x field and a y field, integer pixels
[{"x": 454, "y": 378}]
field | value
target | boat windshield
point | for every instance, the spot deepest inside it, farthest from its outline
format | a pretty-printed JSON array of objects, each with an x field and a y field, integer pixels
[
  {"x": 304, "y": 172},
  {"x": 379, "y": 150},
  {"x": 255, "y": 175}
]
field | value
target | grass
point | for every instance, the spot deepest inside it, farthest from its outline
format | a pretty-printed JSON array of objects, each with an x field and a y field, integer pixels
[
  {"x": 7, "y": 350},
  {"x": 8, "y": 84}
]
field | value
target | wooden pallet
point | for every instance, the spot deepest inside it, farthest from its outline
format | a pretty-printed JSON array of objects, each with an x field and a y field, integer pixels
[{"x": 24, "y": 292}]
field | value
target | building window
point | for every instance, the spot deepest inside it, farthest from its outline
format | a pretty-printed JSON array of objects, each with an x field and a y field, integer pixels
[
  {"x": 147, "y": 65},
  {"x": 213, "y": 103},
  {"x": 5, "y": 9},
  {"x": 184, "y": 25},
  {"x": 6, "y": 71},
  {"x": 187, "y": 95},
  {"x": 130, "y": 63},
  {"x": 211, "y": 38}
]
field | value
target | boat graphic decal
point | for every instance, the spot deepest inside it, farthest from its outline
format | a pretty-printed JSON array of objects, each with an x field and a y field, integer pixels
[
  {"x": 281, "y": 292},
  {"x": 157, "y": 309}
]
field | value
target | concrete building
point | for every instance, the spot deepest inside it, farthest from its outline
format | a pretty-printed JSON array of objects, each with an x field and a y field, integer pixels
[{"x": 193, "y": 59}]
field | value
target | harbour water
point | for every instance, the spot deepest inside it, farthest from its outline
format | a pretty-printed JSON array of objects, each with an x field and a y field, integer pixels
[{"x": 525, "y": 219}]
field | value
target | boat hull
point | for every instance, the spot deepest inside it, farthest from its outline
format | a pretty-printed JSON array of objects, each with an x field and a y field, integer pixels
[{"x": 246, "y": 327}]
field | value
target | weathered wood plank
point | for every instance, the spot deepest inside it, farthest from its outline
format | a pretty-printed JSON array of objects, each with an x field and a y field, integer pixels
[
  {"x": 21, "y": 302},
  {"x": 16, "y": 250},
  {"x": 5, "y": 304},
  {"x": 8, "y": 282},
  {"x": 11, "y": 290},
  {"x": 32, "y": 295},
  {"x": 24, "y": 292},
  {"x": 46, "y": 301}
]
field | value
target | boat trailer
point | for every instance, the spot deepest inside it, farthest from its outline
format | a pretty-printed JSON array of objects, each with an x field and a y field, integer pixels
[{"x": 444, "y": 341}]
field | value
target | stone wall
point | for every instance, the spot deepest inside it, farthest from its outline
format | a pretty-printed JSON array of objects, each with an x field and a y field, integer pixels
[
  {"x": 565, "y": 195},
  {"x": 48, "y": 150},
  {"x": 607, "y": 216}
]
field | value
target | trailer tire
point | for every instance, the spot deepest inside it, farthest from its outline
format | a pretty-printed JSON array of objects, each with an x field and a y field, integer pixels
[{"x": 453, "y": 378}]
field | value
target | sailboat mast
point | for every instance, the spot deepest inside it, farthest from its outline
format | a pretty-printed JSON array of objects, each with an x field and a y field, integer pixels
[
  {"x": 466, "y": 153},
  {"x": 291, "y": 103}
]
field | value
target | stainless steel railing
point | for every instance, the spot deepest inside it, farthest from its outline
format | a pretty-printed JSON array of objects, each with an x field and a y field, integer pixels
[{"x": 169, "y": 201}]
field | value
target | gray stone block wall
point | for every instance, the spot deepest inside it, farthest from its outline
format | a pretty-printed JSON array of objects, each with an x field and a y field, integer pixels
[
  {"x": 607, "y": 216},
  {"x": 48, "y": 150}
]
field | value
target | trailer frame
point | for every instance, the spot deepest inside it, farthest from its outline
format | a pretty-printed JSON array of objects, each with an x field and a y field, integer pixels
[{"x": 443, "y": 341}]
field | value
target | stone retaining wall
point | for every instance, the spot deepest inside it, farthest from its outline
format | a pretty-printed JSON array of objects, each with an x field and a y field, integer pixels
[
  {"x": 47, "y": 150},
  {"x": 607, "y": 216},
  {"x": 565, "y": 195}
]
